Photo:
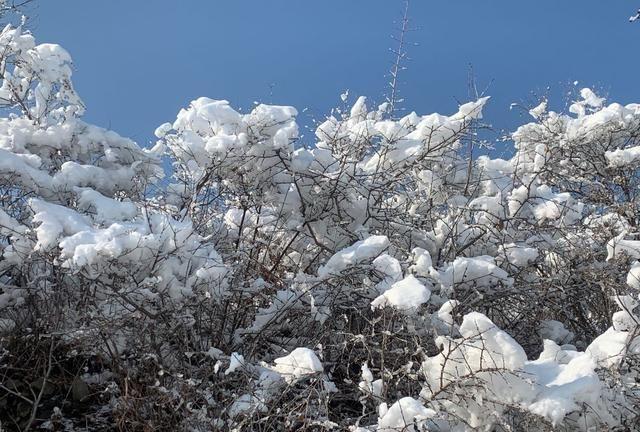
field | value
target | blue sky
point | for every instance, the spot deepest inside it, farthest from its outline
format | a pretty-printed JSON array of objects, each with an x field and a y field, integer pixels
[{"x": 137, "y": 62}]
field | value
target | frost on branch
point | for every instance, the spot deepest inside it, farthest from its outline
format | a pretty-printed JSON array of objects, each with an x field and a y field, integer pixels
[{"x": 372, "y": 278}]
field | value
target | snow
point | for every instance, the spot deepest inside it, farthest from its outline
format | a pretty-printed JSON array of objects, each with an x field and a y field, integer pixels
[
  {"x": 589, "y": 100},
  {"x": 236, "y": 361},
  {"x": 618, "y": 246},
  {"x": 104, "y": 208},
  {"x": 555, "y": 331},
  {"x": 624, "y": 320},
  {"x": 301, "y": 362},
  {"x": 633, "y": 277},
  {"x": 559, "y": 382},
  {"x": 563, "y": 386},
  {"x": 301, "y": 160},
  {"x": 245, "y": 404},
  {"x": 407, "y": 294},
  {"x": 442, "y": 320},
  {"x": 539, "y": 110},
  {"x": 554, "y": 206},
  {"x": 48, "y": 65},
  {"x": 435, "y": 129},
  {"x": 422, "y": 264},
  {"x": 517, "y": 255},
  {"x": 358, "y": 252},
  {"x": 490, "y": 209},
  {"x": 621, "y": 158},
  {"x": 282, "y": 300},
  {"x": 504, "y": 351},
  {"x": 55, "y": 221},
  {"x": 9, "y": 225},
  {"x": 485, "y": 347},
  {"x": 368, "y": 385},
  {"x": 389, "y": 266},
  {"x": 610, "y": 347},
  {"x": 481, "y": 271},
  {"x": 405, "y": 414}
]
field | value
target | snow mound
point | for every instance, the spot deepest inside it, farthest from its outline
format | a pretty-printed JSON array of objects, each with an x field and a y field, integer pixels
[
  {"x": 481, "y": 271},
  {"x": 358, "y": 252},
  {"x": 299, "y": 363},
  {"x": 404, "y": 415},
  {"x": 409, "y": 293}
]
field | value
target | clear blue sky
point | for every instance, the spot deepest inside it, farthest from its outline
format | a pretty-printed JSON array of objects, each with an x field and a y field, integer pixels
[{"x": 137, "y": 62}]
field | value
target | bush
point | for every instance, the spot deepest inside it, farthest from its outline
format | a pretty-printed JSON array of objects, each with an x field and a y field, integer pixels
[{"x": 378, "y": 278}]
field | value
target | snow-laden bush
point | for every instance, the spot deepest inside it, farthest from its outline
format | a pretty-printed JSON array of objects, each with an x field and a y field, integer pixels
[{"x": 377, "y": 278}]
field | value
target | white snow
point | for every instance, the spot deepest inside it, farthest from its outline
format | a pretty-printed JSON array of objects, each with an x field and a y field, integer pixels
[
  {"x": 422, "y": 264},
  {"x": 633, "y": 277},
  {"x": 236, "y": 361},
  {"x": 409, "y": 293},
  {"x": 539, "y": 110},
  {"x": 404, "y": 415},
  {"x": 555, "y": 331},
  {"x": 358, "y": 252},
  {"x": 518, "y": 255},
  {"x": 618, "y": 246},
  {"x": 622, "y": 157},
  {"x": 299, "y": 363},
  {"x": 481, "y": 271},
  {"x": 368, "y": 385}
]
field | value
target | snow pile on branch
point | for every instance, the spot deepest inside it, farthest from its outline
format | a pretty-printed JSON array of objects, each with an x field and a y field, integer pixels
[
  {"x": 299, "y": 363},
  {"x": 408, "y": 293},
  {"x": 354, "y": 254},
  {"x": 404, "y": 414}
]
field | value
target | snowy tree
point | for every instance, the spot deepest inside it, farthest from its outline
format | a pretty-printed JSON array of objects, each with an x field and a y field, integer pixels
[
  {"x": 83, "y": 249},
  {"x": 375, "y": 278}
]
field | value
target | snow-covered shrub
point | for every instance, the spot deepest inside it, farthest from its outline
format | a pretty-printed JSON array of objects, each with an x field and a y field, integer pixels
[{"x": 375, "y": 278}]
